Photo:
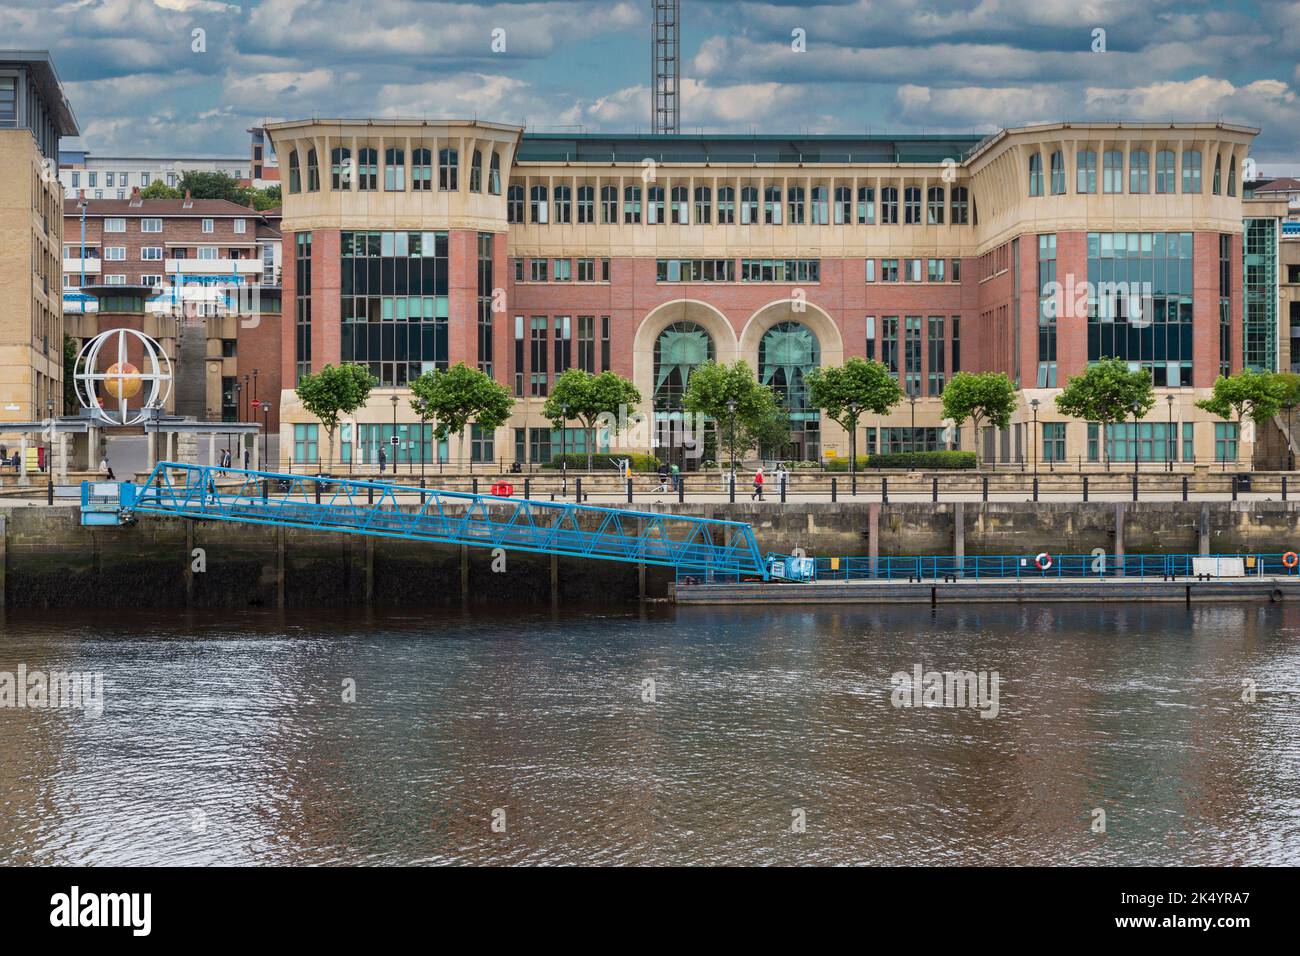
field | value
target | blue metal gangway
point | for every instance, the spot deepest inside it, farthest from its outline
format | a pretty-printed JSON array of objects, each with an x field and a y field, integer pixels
[{"x": 697, "y": 545}]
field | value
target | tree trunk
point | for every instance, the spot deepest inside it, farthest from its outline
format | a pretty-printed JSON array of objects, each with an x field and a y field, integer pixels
[{"x": 591, "y": 443}]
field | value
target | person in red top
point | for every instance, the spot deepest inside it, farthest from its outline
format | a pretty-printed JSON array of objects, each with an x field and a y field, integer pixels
[{"x": 758, "y": 485}]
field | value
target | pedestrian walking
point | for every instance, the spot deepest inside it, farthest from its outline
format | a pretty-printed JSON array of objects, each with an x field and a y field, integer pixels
[
  {"x": 758, "y": 485},
  {"x": 383, "y": 459},
  {"x": 676, "y": 476},
  {"x": 663, "y": 478},
  {"x": 246, "y": 459}
]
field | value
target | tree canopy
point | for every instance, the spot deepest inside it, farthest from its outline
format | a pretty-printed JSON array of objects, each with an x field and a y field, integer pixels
[
  {"x": 459, "y": 395},
  {"x": 579, "y": 395},
  {"x": 712, "y": 386},
  {"x": 982, "y": 397},
  {"x": 1247, "y": 395},
  {"x": 334, "y": 391}
]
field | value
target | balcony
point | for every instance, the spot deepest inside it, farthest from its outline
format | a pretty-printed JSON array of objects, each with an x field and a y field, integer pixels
[
  {"x": 217, "y": 267},
  {"x": 73, "y": 267}
]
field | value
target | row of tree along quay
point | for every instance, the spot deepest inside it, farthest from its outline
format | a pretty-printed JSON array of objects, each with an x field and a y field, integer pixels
[{"x": 750, "y": 415}]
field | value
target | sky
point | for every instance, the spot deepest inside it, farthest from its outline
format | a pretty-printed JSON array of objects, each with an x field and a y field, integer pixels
[{"x": 140, "y": 84}]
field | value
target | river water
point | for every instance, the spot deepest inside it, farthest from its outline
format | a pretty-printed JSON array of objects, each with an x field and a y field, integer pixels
[{"x": 664, "y": 737}]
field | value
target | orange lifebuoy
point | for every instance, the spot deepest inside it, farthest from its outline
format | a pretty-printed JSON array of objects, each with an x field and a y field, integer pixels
[
  {"x": 1043, "y": 561},
  {"x": 1290, "y": 559}
]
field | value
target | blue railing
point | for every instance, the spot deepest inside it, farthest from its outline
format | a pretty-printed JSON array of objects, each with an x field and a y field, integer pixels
[
  {"x": 702, "y": 545},
  {"x": 1019, "y": 566}
]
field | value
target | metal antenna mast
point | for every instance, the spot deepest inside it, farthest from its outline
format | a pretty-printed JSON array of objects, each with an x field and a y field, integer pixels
[{"x": 665, "y": 71}]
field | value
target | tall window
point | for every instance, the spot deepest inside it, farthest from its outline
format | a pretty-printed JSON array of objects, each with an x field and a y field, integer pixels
[
  {"x": 1086, "y": 173},
  {"x": 843, "y": 205},
  {"x": 703, "y": 205},
  {"x": 934, "y": 206},
  {"x": 295, "y": 180},
  {"x": 1217, "y": 185},
  {"x": 680, "y": 349},
  {"x": 1035, "y": 174},
  {"x": 960, "y": 206},
  {"x": 772, "y": 206},
  {"x": 1165, "y": 171},
  {"x": 1191, "y": 170},
  {"x": 302, "y": 303},
  {"x": 912, "y": 354},
  {"x": 1058, "y": 173},
  {"x": 394, "y": 170},
  {"x": 820, "y": 206},
  {"x": 368, "y": 169},
  {"x": 609, "y": 204},
  {"x": 726, "y": 205},
  {"x": 795, "y": 200},
  {"x": 654, "y": 213},
  {"x": 934, "y": 340},
  {"x": 1047, "y": 311},
  {"x": 1232, "y": 176},
  {"x": 485, "y": 316},
  {"x": 422, "y": 169},
  {"x": 867, "y": 206},
  {"x": 476, "y": 171},
  {"x": 889, "y": 206},
  {"x": 313, "y": 171},
  {"x": 448, "y": 163},
  {"x": 912, "y": 205},
  {"x": 538, "y": 378},
  {"x": 1139, "y": 171},
  {"x": 563, "y": 204},
  {"x": 494, "y": 175},
  {"x": 515, "y": 203},
  {"x": 631, "y": 204},
  {"x": 586, "y": 204},
  {"x": 680, "y": 213},
  {"x": 748, "y": 205},
  {"x": 340, "y": 168},
  {"x": 1112, "y": 171}
]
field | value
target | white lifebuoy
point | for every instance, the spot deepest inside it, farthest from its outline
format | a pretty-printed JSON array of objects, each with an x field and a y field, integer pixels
[{"x": 1043, "y": 561}]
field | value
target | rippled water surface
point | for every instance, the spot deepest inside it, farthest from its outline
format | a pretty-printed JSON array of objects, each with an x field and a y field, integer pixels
[{"x": 225, "y": 738}]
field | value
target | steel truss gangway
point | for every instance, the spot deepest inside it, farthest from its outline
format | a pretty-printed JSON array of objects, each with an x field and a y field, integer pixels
[{"x": 704, "y": 545}]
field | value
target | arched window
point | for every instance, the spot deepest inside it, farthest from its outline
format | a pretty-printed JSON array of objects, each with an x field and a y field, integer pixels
[
  {"x": 564, "y": 204},
  {"x": 680, "y": 213},
  {"x": 313, "y": 172},
  {"x": 821, "y": 207},
  {"x": 796, "y": 200},
  {"x": 368, "y": 169},
  {"x": 912, "y": 205},
  {"x": 703, "y": 205},
  {"x": 1191, "y": 170},
  {"x": 631, "y": 204},
  {"x": 748, "y": 205},
  {"x": 609, "y": 204},
  {"x": 295, "y": 178},
  {"x": 1217, "y": 185},
  {"x": 494, "y": 175},
  {"x": 654, "y": 213},
  {"x": 960, "y": 206},
  {"x": 476, "y": 171},
  {"x": 1086, "y": 173},
  {"x": 538, "y": 210},
  {"x": 1112, "y": 171},
  {"x": 1035, "y": 174},
  {"x": 1139, "y": 171},
  {"x": 1058, "y": 173},
  {"x": 787, "y": 354},
  {"x": 515, "y": 203},
  {"x": 448, "y": 164},
  {"x": 394, "y": 170},
  {"x": 422, "y": 169},
  {"x": 867, "y": 205},
  {"x": 934, "y": 202},
  {"x": 341, "y": 173},
  {"x": 772, "y": 206},
  {"x": 680, "y": 349},
  {"x": 1165, "y": 171},
  {"x": 843, "y": 205},
  {"x": 586, "y": 204},
  {"x": 726, "y": 205},
  {"x": 1232, "y": 176},
  {"x": 889, "y": 206}
]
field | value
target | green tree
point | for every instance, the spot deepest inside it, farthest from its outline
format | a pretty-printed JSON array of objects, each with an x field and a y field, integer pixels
[
  {"x": 1246, "y": 395},
  {"x": 334, "y": 391},
  {"x": 987, "y": 397},
  {"x": 771, "y": 429},
  {"x": 853, "y": 389},
  {"x": 1290, "y": 400},
  {"x": 259, "y": 199},
  {"x": 590, "y": 399},
  {"x": 458, "y": 396},
  {"x": 160, "y": 190},
  {"x": 732, "y": 397},
  {"x": 1107, "y": 392},
  {"x": 211, "y": 185}
]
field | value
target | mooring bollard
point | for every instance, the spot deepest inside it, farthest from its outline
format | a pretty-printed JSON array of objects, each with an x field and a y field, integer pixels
[
  {"x": 731, "y": 487},
  {"x": 527, "y": 481},
  {"x": 781, "y": 480},
  {"x": 473, "y": 486},
  {"x": 1035, "y": 489},
  {"x": 1234, "y": 487},
  {"x": 934, "y": 489},
  {"x": 370, "y": 494},
  {"x": 681, "y": 489},
  {"x": 265, "y": 489},
  {"x": 49, "y": 491},
  {"x": 833, "y": 490},
  {"x": 317, "y": 492},
  {"x": 1135, "y": 487},
  {"x": 577, "y": 489},
  {"x": 1085, "y": 487},
  {"x": 984, "y": 481},
  {"x": 1185, "y": 487},
  {"x": 1284, "y": 487},
  {"x": 884, "y": 490},
  {"x": 629, "y": 491}
]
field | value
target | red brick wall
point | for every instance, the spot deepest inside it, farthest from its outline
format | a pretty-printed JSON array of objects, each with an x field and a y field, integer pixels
[
  {"x": 259, "y": 346},
  {"x": 288, "y": 313}
]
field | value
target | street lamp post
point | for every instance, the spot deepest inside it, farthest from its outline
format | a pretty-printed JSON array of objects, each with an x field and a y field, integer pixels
[
  {"x": 564, "y": 446},
  {"x": 1133, "y": 445},
  {"x": 1033, "y": 436},
  {"x": 255, "y": 385},
  {"x": 912, "y": 442},
  {"x": 731, "y": 430},
  {"x": 393, "y": 442},
  {"x": 49, "y": 441},
  {"x": 854, "y": 409},
  {"x": 1290, "y": 455},
  {"x": 247, "y": 393},
  {"x": 266, "y": 436},
  {"x": 1171, "y": 440},
  {"x": 239, "y": 403}
]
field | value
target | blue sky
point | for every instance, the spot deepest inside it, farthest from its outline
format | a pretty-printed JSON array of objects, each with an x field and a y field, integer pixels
[{"x": 884, "y": 65}]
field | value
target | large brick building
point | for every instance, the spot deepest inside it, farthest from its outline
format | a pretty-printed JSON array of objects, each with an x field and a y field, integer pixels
[{"x": 414, "y": 245}]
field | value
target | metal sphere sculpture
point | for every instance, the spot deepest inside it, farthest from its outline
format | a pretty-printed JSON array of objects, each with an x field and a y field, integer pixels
[{"x": 121, "y": 380}]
